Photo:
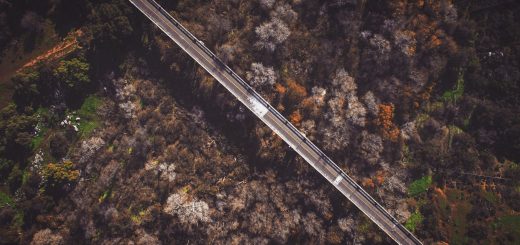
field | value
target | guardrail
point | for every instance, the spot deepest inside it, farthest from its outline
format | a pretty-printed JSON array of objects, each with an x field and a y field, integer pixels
[{"x": 277, "y": 114}]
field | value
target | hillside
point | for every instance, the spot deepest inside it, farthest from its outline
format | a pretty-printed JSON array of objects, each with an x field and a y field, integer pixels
[{"x": 123, "y": 138}]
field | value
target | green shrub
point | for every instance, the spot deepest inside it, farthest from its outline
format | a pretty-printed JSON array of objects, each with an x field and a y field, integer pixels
[
  {"x": 90, "y": 106},
  {"x": 42, "y": 114},
  {"x": 15, "y": 178},
  {"x": 415, "y": 219},
  {"x": 5, "y": 200},
  {"x": 457, "y": 92},
  {"x": 89, "y": 119},
  {"x": 419, "y": 186},
  {"x": 16, "y": 129},
  {"x": 74, "y": 73},
  {"x": 26, "y": 87},
  {"x": 60, "y": 173}
]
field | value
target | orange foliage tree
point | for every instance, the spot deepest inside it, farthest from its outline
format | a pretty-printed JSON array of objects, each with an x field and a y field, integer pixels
[
  {"x": 295, "y": 91},
  {"x": 380, "y": 177},
  {"x": 296, "y": 117},
  {"x": 62, "y": 173},
  {"x": 368, "y": 183},
  {"x": 309, "y": 107},
  {"x": 385, "y": 122},
  {"x": 280, "y": 89}
]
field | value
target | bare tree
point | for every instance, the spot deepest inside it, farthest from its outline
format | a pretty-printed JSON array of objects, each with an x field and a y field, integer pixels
[
  {"x": 346, "y": 224},
  {"x": 318, "y": 95},
  {"x": 47, "y": 237},
  {"x": 344, "y": 83},
  {"x": 260, "y": 76},
  {"x": 271, "y": 34},
  {"x": 370, "y": 101},
  {"x": 371, "y": 147},
  {"x": 189, "y": 211},
  {"x": 381, "y": 45},
  {"x": 285, "y": 13},
  {"x": 266, "y": 4},
  {"x": 356, "y": 112},
  {"x": 227, "y": 52},
  {"x": 313, "y": 226},
  {"x": 143, "y": 238},
  {"x": 89, "y": 148},
  {"x": 405, "y": 41},
  {"x": 344, "y": 111}
]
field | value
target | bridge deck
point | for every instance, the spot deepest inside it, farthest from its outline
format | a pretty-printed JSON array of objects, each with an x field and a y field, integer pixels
[{"x": 272, "y": 118}]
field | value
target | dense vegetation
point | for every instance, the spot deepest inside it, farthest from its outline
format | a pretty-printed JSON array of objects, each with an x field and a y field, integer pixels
[{"x": 126, "y": 139}]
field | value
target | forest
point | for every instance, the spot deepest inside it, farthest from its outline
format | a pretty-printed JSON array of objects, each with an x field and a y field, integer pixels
[{"x": 112, "y": 134}]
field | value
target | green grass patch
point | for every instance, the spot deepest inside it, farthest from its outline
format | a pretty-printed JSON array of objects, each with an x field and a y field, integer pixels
[
  {"x": 420, "y": 186},
  {"x": 458, "y": 225},
  {"x": 90, "y": 106},
  {"x": 43, "y": 129},
  {"x": 89, "y": 120},
  {"x": 86, "y": 128},
  {"x": 42, "y": 111},
  {"x": 443, "y": 207},
  {"x": 511, "y": 225},
  {"x": 25, "y": 176},
  {"x": 456, "y": 93},
  {"x": 37, "y": 140},
  {"x": 490, "y": 197},
  {"x": 415, "y": 219},
  {"x": 5, "y": 200}
]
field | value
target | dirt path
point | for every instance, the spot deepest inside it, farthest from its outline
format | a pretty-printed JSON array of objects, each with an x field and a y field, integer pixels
[{"x": 69, "y": 44}]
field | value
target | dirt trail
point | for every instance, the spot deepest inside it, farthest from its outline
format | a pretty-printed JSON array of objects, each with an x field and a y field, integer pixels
[{"x": 69, "y": 44}]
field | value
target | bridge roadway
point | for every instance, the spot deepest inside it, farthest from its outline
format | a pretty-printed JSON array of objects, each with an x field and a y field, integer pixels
[{"x": 272, "y": 118}]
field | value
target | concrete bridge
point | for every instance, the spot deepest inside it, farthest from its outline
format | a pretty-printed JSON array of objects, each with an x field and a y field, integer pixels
[{"x": 272, "y": 118}]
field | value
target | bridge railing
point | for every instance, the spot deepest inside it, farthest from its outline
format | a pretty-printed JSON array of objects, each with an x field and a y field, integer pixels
[{"x": 277, "y": 114}]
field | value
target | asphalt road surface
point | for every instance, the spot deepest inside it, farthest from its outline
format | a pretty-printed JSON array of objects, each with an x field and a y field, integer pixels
[{"x": 283, "y": 128}]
